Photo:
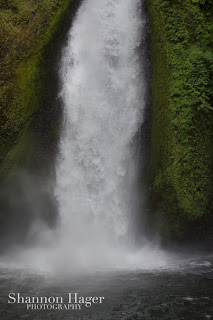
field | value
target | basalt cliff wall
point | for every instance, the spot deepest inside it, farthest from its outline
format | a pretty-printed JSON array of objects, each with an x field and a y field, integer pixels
[
  {"x": 28, "y": 31},
  {"x": 181, "y": 170}
]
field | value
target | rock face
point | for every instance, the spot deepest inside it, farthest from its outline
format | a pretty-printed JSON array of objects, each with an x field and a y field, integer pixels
[
  {"x": 27, "y": 31},
  {"x": 32, "y": 37},
  {"x": 181, "y": 170}
]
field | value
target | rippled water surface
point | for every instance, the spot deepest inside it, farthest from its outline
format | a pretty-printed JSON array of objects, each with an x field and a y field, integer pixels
[{"x": 180, "y": 292}]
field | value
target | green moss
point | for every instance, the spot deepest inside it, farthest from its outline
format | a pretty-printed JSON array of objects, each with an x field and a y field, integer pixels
[
  {"x": 181, "y": 169},
  {"x": 27, "y": 29}
]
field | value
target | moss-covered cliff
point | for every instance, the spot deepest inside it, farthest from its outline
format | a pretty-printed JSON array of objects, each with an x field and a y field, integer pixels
[
  {"x": 181, "y": 168},
  {"x": 32, "y": 34},
  {"x": 27, "y": 29}
]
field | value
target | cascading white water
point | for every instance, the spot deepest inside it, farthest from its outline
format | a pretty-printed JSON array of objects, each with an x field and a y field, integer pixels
[
  {"x": 103, "y": 96},
  {"x": 102, "y": 91}
]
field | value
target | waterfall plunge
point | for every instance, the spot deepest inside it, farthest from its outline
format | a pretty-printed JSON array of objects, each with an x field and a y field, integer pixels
[{"x": 103, "y": 97}]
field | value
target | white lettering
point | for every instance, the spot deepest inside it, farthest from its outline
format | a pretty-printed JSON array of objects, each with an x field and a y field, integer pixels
[{"x": 12, "y": 296}]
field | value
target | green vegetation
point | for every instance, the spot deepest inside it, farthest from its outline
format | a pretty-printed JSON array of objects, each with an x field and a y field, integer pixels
[
  {"x": 26, "y": 31},
  {"x": 181, "y": 168}
]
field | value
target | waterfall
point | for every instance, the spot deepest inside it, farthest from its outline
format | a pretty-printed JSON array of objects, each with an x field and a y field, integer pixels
[
  {"x": 103, "y": 97},
  {"x": 103, "y": 92}
]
